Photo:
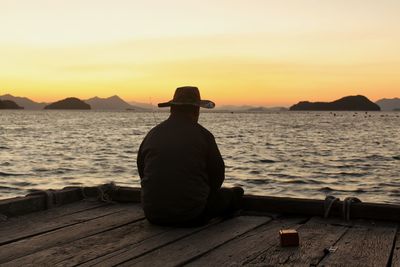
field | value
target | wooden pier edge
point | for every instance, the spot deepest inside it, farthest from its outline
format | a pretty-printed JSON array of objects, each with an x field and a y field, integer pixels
[{"x": 282, "y": 205}]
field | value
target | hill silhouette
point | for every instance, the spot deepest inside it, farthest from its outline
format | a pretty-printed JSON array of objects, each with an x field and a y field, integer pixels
[
  {"x": 24, "y": 102},
  {"x": 389, "y": 104},
  {"x": 110, "y": 103},
  {"x": 69, "y": 103},
  {"x": 8, "y": 104},
  {"x": 348, "y": 103}
]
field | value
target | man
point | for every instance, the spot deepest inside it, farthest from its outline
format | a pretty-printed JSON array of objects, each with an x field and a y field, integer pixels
[{"x": 181, "y": 168}]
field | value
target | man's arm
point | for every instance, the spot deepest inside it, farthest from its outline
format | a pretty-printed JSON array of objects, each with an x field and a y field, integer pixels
[
  {"x": 140, "y": 161},
  {"x": 215, "y": 166}
]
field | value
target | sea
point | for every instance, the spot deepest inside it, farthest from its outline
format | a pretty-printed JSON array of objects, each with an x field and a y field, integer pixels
[{"x": 292, "y": 154}]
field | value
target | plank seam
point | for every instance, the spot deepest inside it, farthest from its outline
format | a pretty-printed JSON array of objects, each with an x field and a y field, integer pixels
[
  {"x": 166, "y": 244},
  {"x": 337, "y": 241},
  {"x": 256, "y": 255},
  {"x": 53, "y": 229},
  {"x": 106, "y": 230},
  {"x": 101, "y": 205},
  {"x": 390, "y": 260},
  {"x": 227, "y": 241}
]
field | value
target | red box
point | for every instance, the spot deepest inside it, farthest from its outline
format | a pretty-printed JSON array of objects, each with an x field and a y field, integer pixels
[{"x": 289, "y": 238}]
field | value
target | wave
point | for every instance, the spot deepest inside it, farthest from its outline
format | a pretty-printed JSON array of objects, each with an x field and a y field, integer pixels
[
  {"x": 329, "y": 189},
  {"x": 8, "y": 188},
  {"x": 261, "y": 161},
  {"x": 257, "y": 181},
  {"x": 376, "y": 157},
  {"x": 19, "y": 184},
  {"x": 12, "y": 174}
]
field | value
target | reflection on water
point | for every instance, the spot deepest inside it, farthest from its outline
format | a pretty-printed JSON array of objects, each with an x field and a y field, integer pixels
[{"x": 295, "y": 154}]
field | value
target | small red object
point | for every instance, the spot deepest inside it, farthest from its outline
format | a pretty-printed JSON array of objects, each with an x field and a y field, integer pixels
[{"x": 289, "y": 238}]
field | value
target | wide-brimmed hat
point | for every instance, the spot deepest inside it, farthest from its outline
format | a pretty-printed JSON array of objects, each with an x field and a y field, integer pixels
[{"x": 187, "y": 95}]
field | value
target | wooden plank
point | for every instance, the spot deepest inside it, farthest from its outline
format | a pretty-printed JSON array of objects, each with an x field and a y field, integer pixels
[
  {"x": 115, "y": 218},
  {"x": 396, "y": 252},
  {"x": 128, "y": 252},
  {"x": 32, "y": 203},
  {"x": 299, "y": 206},
  {"x": 92, "y": 247},
  {"x": 117, "y": 193},
  {"x": 365, "y": 244},
  {"x": 197, "y": 244},
  {"x": 17, "y": 228},
  {"x": 316, "y": 235},
  {"x": 315, "y": 207},
  {"x": 22, "y": 205},
  {"x": 126, "y": 194},
  {"x": 241, "y": 250},
  {"x": 45, "y": 215}
]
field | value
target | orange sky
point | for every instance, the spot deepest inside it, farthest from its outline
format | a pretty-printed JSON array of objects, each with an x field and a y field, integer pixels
[{"x": 257, "y": 52}]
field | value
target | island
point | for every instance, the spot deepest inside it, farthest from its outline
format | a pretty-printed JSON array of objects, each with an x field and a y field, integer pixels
[
  {"x": 69, "y": 103},
  {"x": 8, "y": 104},
  {"x": 348, "y": 103}
]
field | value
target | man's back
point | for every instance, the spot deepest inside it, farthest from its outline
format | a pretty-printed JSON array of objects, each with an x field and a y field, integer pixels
[{"x": 179, "y": 163}]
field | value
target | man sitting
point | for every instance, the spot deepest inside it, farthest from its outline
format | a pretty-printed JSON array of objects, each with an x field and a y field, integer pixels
[{"x": 181, "y": 168}]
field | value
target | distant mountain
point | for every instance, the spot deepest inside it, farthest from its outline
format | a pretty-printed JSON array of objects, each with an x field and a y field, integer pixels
[
  {"x": 24, "y": 102},
  {"x": 8, "y": 104},
  {"x": 247, "y": 108},
  {"x": 389, "y": 104},
  {"x": 147, "y": 106},
  {"x": 233, "y": 108},
  {"x": 265, "y": 109},
  {"x": 348, "y": 103},
  {"x": 69, "y": 103},
  {"x": 110, "y": 103}
]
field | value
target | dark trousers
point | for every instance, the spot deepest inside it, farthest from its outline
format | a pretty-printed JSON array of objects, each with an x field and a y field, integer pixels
[{"x": 223, "y": 202}]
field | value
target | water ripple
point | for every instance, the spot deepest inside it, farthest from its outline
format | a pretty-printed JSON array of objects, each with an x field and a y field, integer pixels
[{"x": 295, "y": 154}]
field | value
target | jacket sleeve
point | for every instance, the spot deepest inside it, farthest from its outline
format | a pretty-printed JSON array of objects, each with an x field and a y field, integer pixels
[
  {"x": 215, "y": 166},
  {"x": 140, "y": 160}
]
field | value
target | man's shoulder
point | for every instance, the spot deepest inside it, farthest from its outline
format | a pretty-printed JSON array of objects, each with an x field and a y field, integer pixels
[{"x": 205, "y": 131}]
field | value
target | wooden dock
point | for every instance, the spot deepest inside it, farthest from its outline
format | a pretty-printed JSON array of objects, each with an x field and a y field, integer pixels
[{"x": 71, "y": 230}]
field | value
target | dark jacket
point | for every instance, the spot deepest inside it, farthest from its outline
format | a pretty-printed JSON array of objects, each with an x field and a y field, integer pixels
[{"x": 179, "y": 165}]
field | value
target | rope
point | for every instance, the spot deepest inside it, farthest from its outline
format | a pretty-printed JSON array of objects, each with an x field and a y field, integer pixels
[
  {"x": 329, "y": 200},
  {"x": 3, "y": 218},
  {"x": 103, "y": 192},
  {"x": 347, "y": 205}
]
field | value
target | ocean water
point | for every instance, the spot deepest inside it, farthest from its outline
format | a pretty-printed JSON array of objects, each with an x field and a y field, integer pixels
[{"x": 295, "y": 154}]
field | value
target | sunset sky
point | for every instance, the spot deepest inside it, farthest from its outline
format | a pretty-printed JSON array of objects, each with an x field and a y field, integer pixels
[{"x": 257, "y": 52}]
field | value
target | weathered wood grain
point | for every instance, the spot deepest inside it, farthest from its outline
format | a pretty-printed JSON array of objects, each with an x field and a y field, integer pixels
[
  {"x": 241, "y": 250},
  {"x": 20, "y": 227},
  {"x": 199, "y": 243},
  {"x": 32, "y": 203},
  {"x": 92, "y": 247},
  {"x": 365, "y": 244},
  {"x": 396, "y": 251},
  {"x": 150, "y": 244},
  {"x": 315, "y": 207},
  {"x": 22, "y": 205},
  {"x": 300, "y": 206},
  {"x": 316, "y": 235},
  {"x": 115, "y": 217}
]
